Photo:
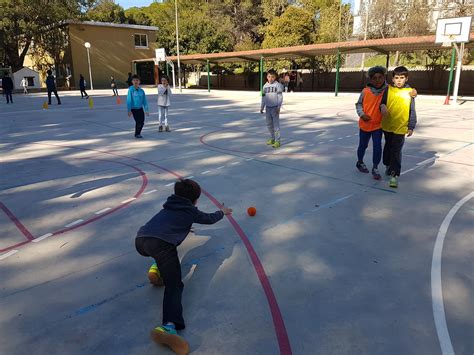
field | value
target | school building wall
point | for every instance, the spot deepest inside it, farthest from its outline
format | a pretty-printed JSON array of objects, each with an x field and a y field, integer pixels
[
  {"x": 426, "y": 82},
  {"x": 112, "y": 52}
]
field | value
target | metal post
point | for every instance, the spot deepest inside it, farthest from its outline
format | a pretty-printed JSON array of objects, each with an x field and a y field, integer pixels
[
  {"x": 177, "y": 44},
  {"x": 338, "y": 64},
  {"x": 171, "y": 64},
  {"x": 90, "y": 71},
  {"x": 387, "y": 61},
  {"x": 167, "y": 69},
  {"x": 208, "y": 78},
  {"x": 450, "y": 81},
  {"x": 457, "y": 78},
  {"x": 261, "y": 76}
]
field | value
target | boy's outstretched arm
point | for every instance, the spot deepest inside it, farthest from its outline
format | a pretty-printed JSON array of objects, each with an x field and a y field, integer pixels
[
  {"x": 129, "y": 103},
  {"x": 145, "y": 103},
  {"x": 360, "y": 109},
  {"x": 211, "y": 218},
  {"x": 412, "y": 119},
  {"x": 280, "y": 95}
]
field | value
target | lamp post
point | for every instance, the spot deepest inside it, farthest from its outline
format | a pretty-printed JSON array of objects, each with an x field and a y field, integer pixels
[
  {"x": 177, "y": 44},
  {"x": 88, "y": 46}
]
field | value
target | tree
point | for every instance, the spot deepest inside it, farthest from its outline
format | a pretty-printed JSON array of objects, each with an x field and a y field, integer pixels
[
  {"x": 24, "y": 21},
  {"x": 273, "y": 8},
  {"x": 294, "y": 27},
  {"x": 137, "y": 16},
  {"x": 107, "y": 11}
]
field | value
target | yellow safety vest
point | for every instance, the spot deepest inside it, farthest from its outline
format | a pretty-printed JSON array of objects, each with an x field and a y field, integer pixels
[{"x": 398, "y": 105}]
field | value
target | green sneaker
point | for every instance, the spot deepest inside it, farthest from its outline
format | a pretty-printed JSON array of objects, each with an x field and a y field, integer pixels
[
  {"x": 168, "y": 336},
  {"x": 393, "y": 182},
  {"x": 154, "y": 276},
  {"x": 270, "y": 142},
  {"x": 276, "y": 144}
]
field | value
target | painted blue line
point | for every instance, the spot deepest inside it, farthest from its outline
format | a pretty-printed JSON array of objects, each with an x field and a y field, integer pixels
[
  {"x": 332, "y": 203},
  {"x": 91, "y": 307}
]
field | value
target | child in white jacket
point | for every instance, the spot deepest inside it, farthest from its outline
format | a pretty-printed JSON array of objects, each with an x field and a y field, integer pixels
[{"x": 164, "y": 96}]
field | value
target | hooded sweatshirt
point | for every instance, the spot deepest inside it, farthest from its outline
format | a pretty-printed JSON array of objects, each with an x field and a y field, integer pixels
[
  {"x": 272, "y": 95},
  {"x": 136, "y": 99},
  {"x": 173, "y": 223}
]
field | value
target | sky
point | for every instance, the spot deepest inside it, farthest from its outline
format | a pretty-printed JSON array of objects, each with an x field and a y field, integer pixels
[
  {"x": 139, "y": 3},
  {"x": 131, "y": 3}
]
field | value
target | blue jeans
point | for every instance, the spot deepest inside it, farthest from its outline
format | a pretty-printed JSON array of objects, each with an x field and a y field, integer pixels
[{"x": 364, "y": 138}]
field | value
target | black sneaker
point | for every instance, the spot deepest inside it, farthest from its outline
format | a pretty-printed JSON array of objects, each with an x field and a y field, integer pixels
[
  {"x": 160, "y": 129},
  {"x": 168, "y": 129},
  {"x": 362, "y": 167},
  {"x": 388, "y": 172},
  {"x": 138, "y": 136},
  {"x": 376, "y": 174}
]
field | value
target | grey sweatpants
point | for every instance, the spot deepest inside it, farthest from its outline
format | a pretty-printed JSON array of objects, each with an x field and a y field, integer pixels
[{"x": 273, "y": 122}]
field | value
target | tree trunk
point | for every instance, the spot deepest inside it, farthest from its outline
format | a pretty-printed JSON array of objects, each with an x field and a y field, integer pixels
[
  {"x": 13, "y": 57},
  {"x": 397, "y": 55}
]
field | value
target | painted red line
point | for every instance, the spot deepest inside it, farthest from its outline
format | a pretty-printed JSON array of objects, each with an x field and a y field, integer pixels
[
  {"x": 203, "y": 141},
  {"x": 279, "y": 325},
  {"x": 17, "y": 222},
  {"x": 86, "y": 222}
]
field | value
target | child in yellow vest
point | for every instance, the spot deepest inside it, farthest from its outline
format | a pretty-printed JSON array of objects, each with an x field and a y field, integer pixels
[{"x": 399, "y": 119}]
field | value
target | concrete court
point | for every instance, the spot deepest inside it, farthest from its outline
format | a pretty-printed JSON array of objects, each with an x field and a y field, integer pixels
[{"x": 347, "y": 259}]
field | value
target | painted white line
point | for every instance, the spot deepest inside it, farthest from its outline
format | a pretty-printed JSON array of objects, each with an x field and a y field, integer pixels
[
  {"x": 331, "y": 140},
  {"x": 189, "y": 177},
  {"x": 220, "y": 167},
  {"x": 235, "y": 163},
  {"x": 128, "y": 200},
  {"x": 249, "y": 159},
  {"x": 170, "y": 184},
  {"x": 150, "y": 192},
  {"x": 190, "y": 273},
  {"x": 74, "y": 223},
  {"x": 349, "y": 136},
  {"x": 43, "y": 237},
  {"x": 427, "y": 161},
  {"x": 262, "y": 156},
  {"x": 321, "y": 142},
  {"x": 311, "y": 145},
  {"x": 6, "y": 255},
  {"x": 436, "y": 282},
  {"x": 205, "y": 172},
  {"x": 407, "y": 171},
  {"x": 340, "y": 138},
  {"x": 103, "y": 210}
]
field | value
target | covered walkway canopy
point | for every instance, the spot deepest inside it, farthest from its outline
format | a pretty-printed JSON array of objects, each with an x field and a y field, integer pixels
[{"x": 385, "y": 46}]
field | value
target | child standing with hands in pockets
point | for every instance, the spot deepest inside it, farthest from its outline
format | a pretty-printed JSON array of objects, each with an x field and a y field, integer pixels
[{"x": 164, "y": 101}]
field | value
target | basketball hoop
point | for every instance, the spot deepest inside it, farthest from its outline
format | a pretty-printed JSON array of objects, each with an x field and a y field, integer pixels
[{"x": 448, "y": 40}]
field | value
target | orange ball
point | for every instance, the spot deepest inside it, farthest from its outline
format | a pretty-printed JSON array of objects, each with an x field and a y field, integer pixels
[{"x": 252, "y": 211}]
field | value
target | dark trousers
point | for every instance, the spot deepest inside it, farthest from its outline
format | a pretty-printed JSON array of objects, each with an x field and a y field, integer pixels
[
  {"x": 166, "y": 258},
  {"x": 364, "y": 138},
  {"x": 139, "y": 117},
  {"x": 83, "y": 93},
  {"x": 8, "y": 94},
  {"x": 392, "y": 152},
  {"x": 55, "y": 92},
  {"x": 115, "y": 91}
]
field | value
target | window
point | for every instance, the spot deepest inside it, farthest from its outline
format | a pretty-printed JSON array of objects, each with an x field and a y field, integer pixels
[
  {"x": 31, "y": 80},
  {"x": 141, "y": 41}
]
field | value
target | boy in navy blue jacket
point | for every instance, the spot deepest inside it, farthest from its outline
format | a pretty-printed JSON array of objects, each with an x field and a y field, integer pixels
[{"x": 159, "y": 238}]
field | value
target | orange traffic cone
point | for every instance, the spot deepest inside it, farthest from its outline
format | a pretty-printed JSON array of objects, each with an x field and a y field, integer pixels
[{"x": 446, "y": 101}]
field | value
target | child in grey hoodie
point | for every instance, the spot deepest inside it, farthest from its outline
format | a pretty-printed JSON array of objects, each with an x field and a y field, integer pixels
[{"x": 272, "y": 99}]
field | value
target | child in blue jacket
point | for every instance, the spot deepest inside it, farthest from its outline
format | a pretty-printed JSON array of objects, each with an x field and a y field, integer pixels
[{"x": 137, "y": 105}]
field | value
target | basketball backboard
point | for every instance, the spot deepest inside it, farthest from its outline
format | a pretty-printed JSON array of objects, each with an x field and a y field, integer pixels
[
  {"x": 453, "y": 30},
  {"x": 160, "y": 55}
]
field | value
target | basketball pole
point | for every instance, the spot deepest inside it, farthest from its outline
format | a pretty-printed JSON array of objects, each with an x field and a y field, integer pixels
[
  {"x": 460, "y": 52},
  {"x": 450, "y": 81}
]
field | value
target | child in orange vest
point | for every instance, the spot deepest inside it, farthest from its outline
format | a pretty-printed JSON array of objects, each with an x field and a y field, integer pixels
[{"x": 370, "y": 120}]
